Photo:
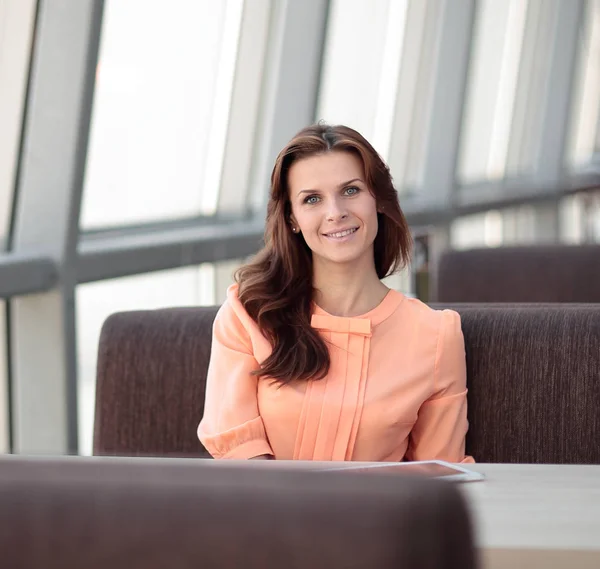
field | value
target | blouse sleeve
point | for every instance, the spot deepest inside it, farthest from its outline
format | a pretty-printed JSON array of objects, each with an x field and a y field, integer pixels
[
  {"x": 440, "y": 430},
  {"x": 231, "y": 426}
]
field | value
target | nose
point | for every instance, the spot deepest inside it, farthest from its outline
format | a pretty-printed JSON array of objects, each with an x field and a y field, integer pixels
[{"x": 336, "y": 211}]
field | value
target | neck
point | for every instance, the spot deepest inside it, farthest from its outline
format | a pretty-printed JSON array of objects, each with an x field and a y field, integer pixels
[{"x": 347, "y": 290}]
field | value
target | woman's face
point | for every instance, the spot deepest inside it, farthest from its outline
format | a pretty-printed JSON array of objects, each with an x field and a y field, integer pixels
[{"x": 332, "y": 207}]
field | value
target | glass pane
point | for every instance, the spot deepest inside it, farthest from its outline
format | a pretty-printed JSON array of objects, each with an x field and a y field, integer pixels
[
  {"x": 187, "y": 286},
  {"x": 491, "y": 89},
  {"x": 572, "y": 225},
  {"x": 592, "y": 218},
  {"x": 384, "y": 91},
  {"x": 161, "y": 105},
  {"x": 478, "y": 230},
  {"x": 358, "y": 85},
  {"x": 4, "y": 402},
  {"x": 16, "y": 28},
  {"x": 523, "y": 225},
  {"x": 586, "y": 104},
  {"x": 580, "y": 218},
  {"x": 418, "y": 72},
  {"x": 597, "y": 149}
]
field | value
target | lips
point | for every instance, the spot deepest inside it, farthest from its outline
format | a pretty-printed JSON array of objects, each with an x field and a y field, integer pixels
[{"x": 342, "y": 233}]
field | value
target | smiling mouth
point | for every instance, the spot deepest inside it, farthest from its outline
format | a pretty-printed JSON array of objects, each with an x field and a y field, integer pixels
[{"x": 340, "y": 234}]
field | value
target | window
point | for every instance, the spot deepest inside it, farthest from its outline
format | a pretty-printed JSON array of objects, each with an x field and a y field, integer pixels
[
  {"x": 358, "y": 85},
  {"x": 580, "y": 218},
  {"x": 492, "y": 89},
  {"x": 163, "y": 89},
  {"x": 384, "y": 91},
  {"x": 16, "y": 28},
  {"x": 522, "y": 225},
  {"x": 201, "y": 286},
  {"x": 585, "y": 132},
  {"x": 477, "y": 230},
  {"x": 4, "y": 401}
]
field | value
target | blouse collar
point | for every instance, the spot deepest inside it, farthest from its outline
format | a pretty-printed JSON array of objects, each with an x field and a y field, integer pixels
[{"x": 361, "y": 324}]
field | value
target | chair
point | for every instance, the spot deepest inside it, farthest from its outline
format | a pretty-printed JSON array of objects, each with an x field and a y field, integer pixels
[
  {"x": 533, "y": 374},
  {"x": 72, "y": 513},
  {"x": 541, "y": 273},
  {"x": 150, "y": 384}
]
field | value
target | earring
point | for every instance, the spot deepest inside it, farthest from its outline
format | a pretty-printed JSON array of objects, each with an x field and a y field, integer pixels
[{"x": 295, "y": 229}]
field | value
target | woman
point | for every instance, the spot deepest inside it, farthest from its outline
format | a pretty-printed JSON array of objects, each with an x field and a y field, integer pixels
[{"x": 313, "y": 357}]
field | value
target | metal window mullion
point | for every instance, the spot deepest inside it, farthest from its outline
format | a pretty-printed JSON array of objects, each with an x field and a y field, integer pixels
[
  {"x": 527, "y": 99},
  {"x": 4, "y": 386},
  {"x": 42, "y": 326},
  {"x": 444, "y": 120},
  {"x": 447, "y": 101},
  {"x": 556, "y": 114},
  {"x": 120, "y": 256},
  {"x": 26, "y": 274},
  {"x": 244, "y": 109},
  {"x": 550, "y": 137},
  {"x": 17, "y": 19},
  {"x": 290, "y": 86},
  {"x": 597, "y": 143},
  {"x": 415, "y": 78}
]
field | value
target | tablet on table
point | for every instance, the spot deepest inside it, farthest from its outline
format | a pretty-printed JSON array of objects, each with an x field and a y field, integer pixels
[{"x": 427, "y": 468}]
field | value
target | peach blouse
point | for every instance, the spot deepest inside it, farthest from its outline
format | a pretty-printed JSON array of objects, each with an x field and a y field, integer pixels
[{"x": 396, "y": 389}]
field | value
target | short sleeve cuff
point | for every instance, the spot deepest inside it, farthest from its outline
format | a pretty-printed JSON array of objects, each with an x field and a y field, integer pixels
[
  {"x": 244, "y": 441},
  {"x": 249, "y": 449}
]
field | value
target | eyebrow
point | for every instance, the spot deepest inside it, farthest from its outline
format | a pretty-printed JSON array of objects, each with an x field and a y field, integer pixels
[{"x": 340, "y": 186}]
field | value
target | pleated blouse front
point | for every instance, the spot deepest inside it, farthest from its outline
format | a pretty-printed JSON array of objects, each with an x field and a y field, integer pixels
[{"x": 396, "y": 389}]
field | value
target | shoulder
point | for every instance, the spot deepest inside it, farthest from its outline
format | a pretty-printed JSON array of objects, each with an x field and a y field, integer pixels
[
  {"x": 234, "y": 325},
  {"x": 232, "y": 317},
  {"x": 440, "y": 334},
  {"x": 232, "y": 307},
  {"x": 445, "y": 330},
  {"x": 419, "y": 314}
]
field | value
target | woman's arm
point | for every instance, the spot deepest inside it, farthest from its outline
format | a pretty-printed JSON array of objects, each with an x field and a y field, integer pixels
[
  {"x": 231, "y": 426},
  {"x": 441, "y": 426}
]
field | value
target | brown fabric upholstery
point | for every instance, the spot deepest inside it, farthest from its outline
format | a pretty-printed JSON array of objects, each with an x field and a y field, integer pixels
[
  {"x": 533, "y": 378},
  {"x": 149, "y": 514},
  {"x": 150, "y": 383},
  {"x": 556, "y": 273},
  {"x": 533, "y": 374}
]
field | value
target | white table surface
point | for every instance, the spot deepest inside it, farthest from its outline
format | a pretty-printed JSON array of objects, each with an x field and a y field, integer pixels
[{"x": 537, "y": 515}]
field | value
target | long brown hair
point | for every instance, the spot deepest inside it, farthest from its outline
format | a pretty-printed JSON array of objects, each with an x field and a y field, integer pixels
[{"x": 276, "y": 287}]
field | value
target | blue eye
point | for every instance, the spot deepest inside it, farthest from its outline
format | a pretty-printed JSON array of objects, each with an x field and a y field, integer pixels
[
  {"x": 311, "y": 200},
  {"x": 352, "y": 191}
]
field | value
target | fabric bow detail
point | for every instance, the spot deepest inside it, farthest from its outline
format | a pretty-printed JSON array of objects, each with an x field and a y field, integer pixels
[{"x": 358, "y": 326}]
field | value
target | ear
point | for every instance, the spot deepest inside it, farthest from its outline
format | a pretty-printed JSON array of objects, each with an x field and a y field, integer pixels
[{"x": 294, "y": 224}]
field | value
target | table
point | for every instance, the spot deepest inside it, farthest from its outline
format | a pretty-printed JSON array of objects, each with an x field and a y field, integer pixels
[
  {"x": 528, "y": 516},
  {"x": 525, "y": 516}
]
